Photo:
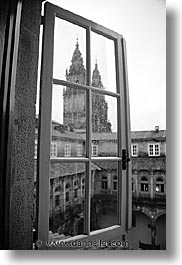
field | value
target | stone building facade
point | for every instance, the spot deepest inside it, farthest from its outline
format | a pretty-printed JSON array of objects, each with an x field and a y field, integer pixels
[{"x": 148, "y": 150}]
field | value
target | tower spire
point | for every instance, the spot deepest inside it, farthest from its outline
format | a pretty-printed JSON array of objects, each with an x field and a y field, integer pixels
[
  {"x": 96, "y": 77},
  {"x": 77, "y": 45},
  {"x": 77, "y": 69}
]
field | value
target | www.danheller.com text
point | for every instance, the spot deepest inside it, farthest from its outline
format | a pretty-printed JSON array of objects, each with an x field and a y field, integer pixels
[{"x": 83, "y": 244}]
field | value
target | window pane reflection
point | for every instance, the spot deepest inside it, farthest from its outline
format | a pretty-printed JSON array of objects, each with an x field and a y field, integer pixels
[
  {"x": 68, "y": 122},
  {"x": 66, "y": 214},
  {"x": 104, "y": 194},
  {"x": 104, "y": 125},
  {"x": 103, "y": 62}
]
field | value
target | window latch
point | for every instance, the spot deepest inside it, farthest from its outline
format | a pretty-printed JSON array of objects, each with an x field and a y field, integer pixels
[{"x": 125, "y": 159}]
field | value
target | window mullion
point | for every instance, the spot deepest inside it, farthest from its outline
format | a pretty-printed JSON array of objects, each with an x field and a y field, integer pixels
[
  {"x": 119, "y": 135},
  {"x": 88, "y": 136}
]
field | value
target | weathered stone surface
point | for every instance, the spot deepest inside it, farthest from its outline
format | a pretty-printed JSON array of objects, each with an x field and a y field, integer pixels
[{"x": 22, "y": 148}]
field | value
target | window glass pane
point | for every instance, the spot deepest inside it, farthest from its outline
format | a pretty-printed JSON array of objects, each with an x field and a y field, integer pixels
[
  {"x": 156, "y": 149},
  {"x": 104, "y": 195},
  {"x": 134, "y": 150},
  {"x": 104, "y": 125},
  {"x": 66, "y": 218},
  {"x": 69, "y": 52},
  {"x": 151, "y": 149},
  {"x": 68, "y": 122},
  {"x": 103, "y": 62}
]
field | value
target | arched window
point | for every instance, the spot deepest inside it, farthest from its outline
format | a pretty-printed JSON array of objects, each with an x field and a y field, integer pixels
[
  {"x": 67, "y": 186},
  {"x": 57, "y": 200},
  {"x": 76, "y": 182},
  {"x": 104, "y": 182},
  {"x": 58, "y": 188},
  {"x": 159, "y": 186},
  {"x": 67, "y": 196},
  {"x": 144, "y": 184}
]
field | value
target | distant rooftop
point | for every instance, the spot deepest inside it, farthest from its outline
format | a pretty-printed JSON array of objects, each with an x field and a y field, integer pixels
[{"x": 148, "y": 134}]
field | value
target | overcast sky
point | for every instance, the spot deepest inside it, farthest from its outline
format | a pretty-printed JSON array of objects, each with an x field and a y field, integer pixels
[{"x": 142, "y": 24}]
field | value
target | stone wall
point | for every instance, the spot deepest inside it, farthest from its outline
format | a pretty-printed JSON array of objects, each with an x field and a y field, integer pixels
[{"x": 21, "y": 167}]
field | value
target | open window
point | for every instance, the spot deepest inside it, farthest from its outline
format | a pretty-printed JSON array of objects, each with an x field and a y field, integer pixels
[{"x": 84, "y": 91}]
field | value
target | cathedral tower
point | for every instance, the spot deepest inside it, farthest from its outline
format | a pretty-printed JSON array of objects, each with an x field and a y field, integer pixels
[
  {"x": 74, "y": 99},
  {"x": 99, "y": 105},
  {"x": 75, "y": 102}
]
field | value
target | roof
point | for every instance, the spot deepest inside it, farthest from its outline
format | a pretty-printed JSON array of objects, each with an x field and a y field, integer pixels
[
  {"x": 135, "y": 135},
  {"x": 148, "y": 134},
  {"x": 104, "y": 136},
  {"x": 67, "y": 134},
  {"x": 68, "y": 169},
  {"x": 107, "y": 165}
]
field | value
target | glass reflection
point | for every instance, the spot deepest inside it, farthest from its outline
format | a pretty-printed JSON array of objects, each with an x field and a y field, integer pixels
[
  {"x": 104, "y": 194},
  {"x": 68, "y": 122}
]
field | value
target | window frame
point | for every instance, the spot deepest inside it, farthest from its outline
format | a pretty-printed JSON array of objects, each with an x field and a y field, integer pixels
[
  {"x": 114, "y": 183},
  {"x": 95, "y": 152},
  {"x": 132, "y": 150},
  {"x": 104, "y": 182},
  {"x": 160, "y": 182},
  {"x": 145, "y": 183},
  {"x": 153, "y": 149},
  {"x": 52, "y": 153},
  {"x": 56, "y": 199},
  {"x": 67, "y": 150},
  {"x": 123, "y": 132},
  {"x": 79, "y": 149}
]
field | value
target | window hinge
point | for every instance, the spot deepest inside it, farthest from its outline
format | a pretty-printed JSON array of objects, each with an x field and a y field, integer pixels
[{"x": 125, "y": 159}]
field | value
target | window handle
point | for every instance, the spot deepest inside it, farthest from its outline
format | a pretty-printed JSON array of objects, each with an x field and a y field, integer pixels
[{"x": 125, "y": 159}]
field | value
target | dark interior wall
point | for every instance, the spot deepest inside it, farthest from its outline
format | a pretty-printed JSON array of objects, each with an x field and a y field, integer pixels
[{"x": 21, "y": 127}]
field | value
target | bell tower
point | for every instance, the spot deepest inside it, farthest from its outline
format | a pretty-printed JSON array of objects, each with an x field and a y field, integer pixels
[
  {"x": 74, "y": 99},
  {"x": 99, "y": 105}
]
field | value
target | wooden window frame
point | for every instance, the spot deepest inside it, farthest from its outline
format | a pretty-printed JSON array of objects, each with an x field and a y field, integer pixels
[{"x": 44, "y": 135}]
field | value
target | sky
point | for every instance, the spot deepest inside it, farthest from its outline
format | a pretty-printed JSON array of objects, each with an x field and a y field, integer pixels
[{"x": 142, "y": 24}]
